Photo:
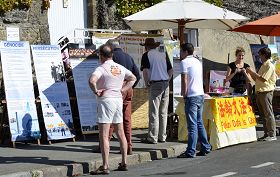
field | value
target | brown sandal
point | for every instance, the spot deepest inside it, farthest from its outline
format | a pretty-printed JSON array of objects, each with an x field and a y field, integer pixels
[
  {"x": 122, "y": 167},
  {"x": 100, "y": 171}
]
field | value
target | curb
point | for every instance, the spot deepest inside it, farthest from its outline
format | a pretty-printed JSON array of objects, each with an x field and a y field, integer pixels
[{"x": 77, "y": 169}]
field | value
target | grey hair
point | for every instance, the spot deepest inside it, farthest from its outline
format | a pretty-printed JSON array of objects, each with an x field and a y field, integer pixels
[{"x": 113, "y": 43}]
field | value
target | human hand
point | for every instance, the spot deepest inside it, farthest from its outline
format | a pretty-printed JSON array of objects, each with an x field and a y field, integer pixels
[
  {"x": 248, "y": 70},
  {"x": 100, "y": 92},
  {"x": 237, "y": 70}
]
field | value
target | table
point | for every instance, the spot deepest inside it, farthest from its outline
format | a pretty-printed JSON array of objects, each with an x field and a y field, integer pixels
[{"x": 228, "y": 121}]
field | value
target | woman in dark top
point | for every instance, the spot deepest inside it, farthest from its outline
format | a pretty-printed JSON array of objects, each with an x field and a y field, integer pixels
[{"x": 236, "y": 73}]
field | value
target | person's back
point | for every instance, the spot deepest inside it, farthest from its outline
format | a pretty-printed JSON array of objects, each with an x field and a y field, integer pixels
[
  {"x": 193, "y": 67},
  {"x": 158, "y": 66},
  {"x": 112, "y": 78}
]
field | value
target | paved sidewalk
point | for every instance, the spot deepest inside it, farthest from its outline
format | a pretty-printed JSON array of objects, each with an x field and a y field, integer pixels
[{"x": 66, "y": 158}]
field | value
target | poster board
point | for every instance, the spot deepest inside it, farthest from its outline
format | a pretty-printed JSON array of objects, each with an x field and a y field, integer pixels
[
  {"x": 18, "y": 82},
  {"x": 53, "y": 91},
  {"x": 130, "y": 43},
  {"x": 256, "y": 58},
  {"x": 83, "y": 63},
  {"x": 217, "y": 82}
]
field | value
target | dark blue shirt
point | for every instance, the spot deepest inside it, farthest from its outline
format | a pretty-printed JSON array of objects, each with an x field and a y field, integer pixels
[{"x": 122, "y": 58}]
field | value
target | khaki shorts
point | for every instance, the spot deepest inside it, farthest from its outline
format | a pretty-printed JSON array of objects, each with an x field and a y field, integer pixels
[{"x": 109, "y": 110}]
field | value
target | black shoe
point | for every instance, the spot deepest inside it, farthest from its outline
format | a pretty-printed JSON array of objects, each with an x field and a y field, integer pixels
[
  {"x": 184, "y": 155},
  {"x": 161, "y": 141},
  {"x": 146, "y": 141},
  {"x": 201, "y": 153}
]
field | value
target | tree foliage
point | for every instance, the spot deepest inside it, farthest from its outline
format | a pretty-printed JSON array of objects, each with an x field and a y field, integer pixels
[
  {"x": 8, "y": 5},
  {"x": 128, "y": 7}
]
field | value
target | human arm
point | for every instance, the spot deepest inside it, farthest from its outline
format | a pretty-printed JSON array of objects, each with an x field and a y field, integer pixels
[
  {"x": 129, "y": 81},
  {"x": 184, "y": 82},
  {"x": 146, "y": 77},
  {"x": 169, "y": 67},
  {"x": 145, "y": 66},
  {"x": 255, "y": 75},
  {"x": 136, "y": 73},
  {"x": 92, "y": 84},
  {"x": 230, "y": 75}
]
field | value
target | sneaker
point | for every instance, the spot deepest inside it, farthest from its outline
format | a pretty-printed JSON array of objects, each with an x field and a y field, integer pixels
[
  {"x": 270, "y": 138},
  {"x": 262, "y": 138},
  {"x": 184, "y": 155},
  {"x": 100, "y": 171},
  {"x": 202, "y": 153},
  {"x": 146, "y": 141},
  {"x": 122, "y": 167}
]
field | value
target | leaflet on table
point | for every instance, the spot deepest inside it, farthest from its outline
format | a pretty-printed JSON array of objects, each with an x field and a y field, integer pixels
[
  {"x": 82, "y": 68},
  {"x": 53, "y": 91},
  {"x": 17, "y": 76}
]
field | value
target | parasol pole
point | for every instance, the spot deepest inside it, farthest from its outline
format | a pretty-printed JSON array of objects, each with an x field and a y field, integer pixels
[{"x": 181, "y": 29}]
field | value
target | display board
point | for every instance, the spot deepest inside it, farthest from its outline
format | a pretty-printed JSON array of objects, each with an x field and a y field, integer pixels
[
  {"x": 256, "y": 58},
  {"x": 53, "y": 91},
  {"x": 18, "y": 82},
  {"x": 83, "y": 64},
  {"x": 217, "y": 82},
  {"x": 131, "y": 44}
]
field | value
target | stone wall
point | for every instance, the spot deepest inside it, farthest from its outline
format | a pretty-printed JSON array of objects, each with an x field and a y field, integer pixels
[{"x": 33, "y": 24}]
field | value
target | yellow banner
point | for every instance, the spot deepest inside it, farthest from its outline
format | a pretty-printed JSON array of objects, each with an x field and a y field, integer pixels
[{"x": 233, "y": 113}]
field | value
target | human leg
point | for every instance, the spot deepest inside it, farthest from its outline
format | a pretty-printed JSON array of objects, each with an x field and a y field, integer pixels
[
  {"x": 163, "y": 110},
  {"x": 127, "y": 98},
  {"x": 191, "y": 109},
  {"x": 205, "y": 146},
  {"x": 259, "y": 100},
  {"x": 268, "y": 113},
  {"x": 104, "y": 143},
  {"x": 123, "y": 143},
  {"x": 154, "y": 102}
]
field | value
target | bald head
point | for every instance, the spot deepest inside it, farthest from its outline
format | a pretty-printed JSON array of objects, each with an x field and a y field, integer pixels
[{"x": 105, "y": 51}]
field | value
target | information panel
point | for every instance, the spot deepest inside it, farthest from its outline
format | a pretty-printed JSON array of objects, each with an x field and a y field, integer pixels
[
  {"x": 17, "y": 75},
  {"x": 53, "y": 91}
]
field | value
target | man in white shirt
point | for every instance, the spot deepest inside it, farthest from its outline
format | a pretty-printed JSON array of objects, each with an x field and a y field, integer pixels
[{"x": 193, "y": 93}]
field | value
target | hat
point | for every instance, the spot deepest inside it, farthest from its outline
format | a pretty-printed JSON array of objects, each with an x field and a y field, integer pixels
[{"x": 150, "y": 42}]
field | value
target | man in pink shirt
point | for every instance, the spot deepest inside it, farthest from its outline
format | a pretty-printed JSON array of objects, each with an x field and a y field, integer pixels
[{"x": 108, "y": 81}]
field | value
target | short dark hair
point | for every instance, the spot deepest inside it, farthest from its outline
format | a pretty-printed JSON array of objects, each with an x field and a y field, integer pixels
[
  {"x": 187, "y": 47},
  {"x": 105, "y": 50},
  {"x": 266, "y": 52}
]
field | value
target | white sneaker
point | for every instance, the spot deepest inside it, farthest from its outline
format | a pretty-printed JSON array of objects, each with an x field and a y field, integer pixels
[{"x": 270, "y": 138}]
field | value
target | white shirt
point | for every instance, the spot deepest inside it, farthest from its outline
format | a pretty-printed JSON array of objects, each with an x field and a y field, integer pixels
[{"x": 192, "y": 67}]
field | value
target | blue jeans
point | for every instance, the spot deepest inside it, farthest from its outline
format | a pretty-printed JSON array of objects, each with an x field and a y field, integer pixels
[{"x": 196, "y": 130}]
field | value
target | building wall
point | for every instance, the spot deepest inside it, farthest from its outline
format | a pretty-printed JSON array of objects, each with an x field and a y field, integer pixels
[{"x": 63, "y": 20}]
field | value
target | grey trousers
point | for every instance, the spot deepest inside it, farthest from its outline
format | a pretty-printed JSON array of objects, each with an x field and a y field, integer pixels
[
  {"x": 158, "y": 109},
  {"x": 264, "y": 102}
]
